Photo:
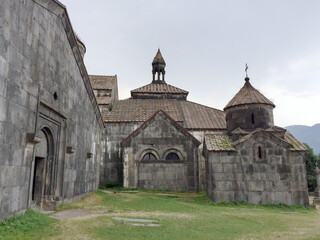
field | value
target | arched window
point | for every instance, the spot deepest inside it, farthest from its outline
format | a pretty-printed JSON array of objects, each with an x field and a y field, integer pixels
[
  {"x": 149, "y": 156},
  {"x": 172, "y": 156},
  {"x": 252, "y": 118},
  {"x": 259, "y": 152}
]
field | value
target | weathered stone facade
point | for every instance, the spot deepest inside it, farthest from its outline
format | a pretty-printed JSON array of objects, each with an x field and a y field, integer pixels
[
  {"x": 54, "y": 147},
  {"x": 174, "y": 162},
  {"x": 254, "y": 161},
  {"x": 229, "y": 141},
  {"x": 278, "y": 176},
  {"x": 112, "y": 163},
  {"x": 50, "y": 124}
]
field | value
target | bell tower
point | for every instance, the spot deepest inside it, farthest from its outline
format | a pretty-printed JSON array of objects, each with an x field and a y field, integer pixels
[{"x": 158, "y": 69}]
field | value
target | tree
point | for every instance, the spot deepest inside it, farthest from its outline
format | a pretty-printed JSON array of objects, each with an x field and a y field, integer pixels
[{"x": 311, "y": 161}]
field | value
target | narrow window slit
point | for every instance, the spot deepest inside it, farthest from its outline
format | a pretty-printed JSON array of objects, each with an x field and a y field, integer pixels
[
  {"x": 259, "y": 152},
  {"x": 252, "y": 118}
]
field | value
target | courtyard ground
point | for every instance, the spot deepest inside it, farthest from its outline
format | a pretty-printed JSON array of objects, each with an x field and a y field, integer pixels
[{"x": 122, "y": 214}]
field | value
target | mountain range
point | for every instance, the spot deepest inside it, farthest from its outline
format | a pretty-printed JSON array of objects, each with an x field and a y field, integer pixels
[{"x": 307, "y": 134}]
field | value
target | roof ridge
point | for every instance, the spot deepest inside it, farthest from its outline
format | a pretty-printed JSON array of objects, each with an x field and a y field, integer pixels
[
  {"x": 204, "y": 105},
  {"x": 169, "y": 117}
]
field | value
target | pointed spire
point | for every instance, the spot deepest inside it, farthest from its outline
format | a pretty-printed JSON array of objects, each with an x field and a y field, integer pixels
[
  {"x": 158, "y": 67},
  {"x": 158, "y": 58}
]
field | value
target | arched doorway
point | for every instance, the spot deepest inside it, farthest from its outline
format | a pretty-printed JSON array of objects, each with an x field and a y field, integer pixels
[{"x": 43, "y": 177}]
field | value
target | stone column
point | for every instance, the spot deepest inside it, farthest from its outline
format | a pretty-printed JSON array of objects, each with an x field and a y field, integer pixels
[{"x": 317, "y": 190}]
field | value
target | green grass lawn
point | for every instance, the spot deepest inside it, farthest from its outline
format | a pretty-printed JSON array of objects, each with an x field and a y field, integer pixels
[{"x": 181, "y": 216}]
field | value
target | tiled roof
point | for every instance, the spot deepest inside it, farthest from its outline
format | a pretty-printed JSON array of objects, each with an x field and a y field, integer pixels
[
  {"x": 158, "y": 58},
  {"x": 222, "y": 142},
  {"x": 159, "y": 88},
  {"x": 219, "y": 142},
  {"x": 193, "y": 115},
  {"x": 296, "y": 145},
  {"x": 198, "y": 116},
  {"x": 104, "y": 100},
  {"x": 102, "y": 82},
  {"x": 248, "y": 95},
  {"x": 139, "y": 110}
]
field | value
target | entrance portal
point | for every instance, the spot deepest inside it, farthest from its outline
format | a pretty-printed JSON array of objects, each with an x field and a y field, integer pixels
[{"x": 43, "y": 182}]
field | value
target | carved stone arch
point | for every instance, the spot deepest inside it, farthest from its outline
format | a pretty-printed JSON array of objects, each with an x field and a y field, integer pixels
[
  {"x": 149, "y": 150},
  {"x": 45, "y": 166},
  {"x": 173, "y": 150},
  {"x": 259, "y": 151}
]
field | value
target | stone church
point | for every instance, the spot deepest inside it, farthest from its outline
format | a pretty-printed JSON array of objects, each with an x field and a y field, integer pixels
[
  {"x": 64, "y": 133},
  {"x": 157, "y": 139}
]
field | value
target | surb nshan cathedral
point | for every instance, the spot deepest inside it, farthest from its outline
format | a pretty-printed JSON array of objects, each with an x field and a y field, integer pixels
[{"x": 64, "y": 133}]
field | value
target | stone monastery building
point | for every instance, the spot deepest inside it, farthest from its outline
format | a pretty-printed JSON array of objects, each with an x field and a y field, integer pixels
[{"x": 64, "y": 132}]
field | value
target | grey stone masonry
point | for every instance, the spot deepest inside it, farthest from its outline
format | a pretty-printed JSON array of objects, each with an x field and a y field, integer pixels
[
  {"x": 45, "y": 100},
  {"x": 277, "y": 175},
  {"x": 112, "y": 164},
  {"x": 161, "y": 154}
]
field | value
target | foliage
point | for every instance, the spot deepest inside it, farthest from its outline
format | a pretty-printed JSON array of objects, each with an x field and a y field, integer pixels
[
  {"x": 27, "y": 226},
  {"x": 311, "y": 161}
]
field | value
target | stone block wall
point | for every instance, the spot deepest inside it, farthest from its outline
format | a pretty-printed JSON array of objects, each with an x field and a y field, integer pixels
[
  {"x": 163, "y": 176},
  {"x": 278, "y": 177},
  {"x": 43, "y": 82},
  {"x": 241, "y": 116},
  {"x": 161, "y": 136},
  {"x": 112, "y": 164}
]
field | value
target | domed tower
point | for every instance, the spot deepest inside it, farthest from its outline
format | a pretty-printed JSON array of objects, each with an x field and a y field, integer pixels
[
  {"x": 249, "y": 110},
  {"x": 158, "y": 67}
]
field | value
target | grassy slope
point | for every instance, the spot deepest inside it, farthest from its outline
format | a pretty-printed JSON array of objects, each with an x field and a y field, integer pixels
[
  {"x": 31, "y": 225},
  {"x": 182, "y": 216}
]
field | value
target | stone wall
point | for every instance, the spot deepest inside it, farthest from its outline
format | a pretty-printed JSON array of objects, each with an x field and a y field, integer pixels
[
  {"x": 199, "y": 135},
  {"x": 161, "y": 136},
  {"x": 112, "y": 164},
  {"x": 163, "y": 176},
  {"x": 241, "y": 116},
  {"x": 44, "y": 85},
  {"x": 279, "y": 176}
]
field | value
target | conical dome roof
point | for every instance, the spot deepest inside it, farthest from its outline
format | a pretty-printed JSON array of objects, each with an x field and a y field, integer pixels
[
  {"x": 248, "y": 95},
  {"x": 158, "y": 58}
]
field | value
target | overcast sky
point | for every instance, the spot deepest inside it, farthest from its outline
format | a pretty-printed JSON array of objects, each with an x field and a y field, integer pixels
[{"x": 206, "y": 44}]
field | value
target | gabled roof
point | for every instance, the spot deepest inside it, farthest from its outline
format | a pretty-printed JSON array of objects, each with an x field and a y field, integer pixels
[
  {"x": 218, "y": 142},
  {"x": 159, "y": 89},
  {"x": 256, "y": 131},
  {"x": 194, "y": 116},
  {"x": 248, "y": 95},
  {"x": 102, "y": 82},
  {"x": 139, "y": 110},
  {"x": 174, "y": 123},
  {"x": 57, "y": 8}
]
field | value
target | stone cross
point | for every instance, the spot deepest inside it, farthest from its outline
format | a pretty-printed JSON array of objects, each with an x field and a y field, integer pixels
[{"x": 246, "y": 70}]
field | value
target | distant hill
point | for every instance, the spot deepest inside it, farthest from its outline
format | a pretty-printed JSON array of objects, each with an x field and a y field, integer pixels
[{"x": 306, "y": 134}]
